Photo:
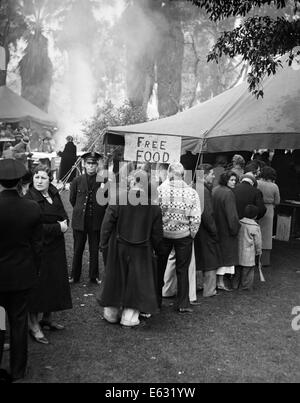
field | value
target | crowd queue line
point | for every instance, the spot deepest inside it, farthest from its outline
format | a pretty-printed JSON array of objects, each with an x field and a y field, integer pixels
[{"x": 224, "y": 237}]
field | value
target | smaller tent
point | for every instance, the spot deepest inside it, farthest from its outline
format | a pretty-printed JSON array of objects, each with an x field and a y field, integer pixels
[{"x": 14, "y": 108}]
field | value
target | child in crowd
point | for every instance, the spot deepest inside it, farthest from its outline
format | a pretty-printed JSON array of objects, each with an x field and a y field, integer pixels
[{"x": 250, "y": 247}]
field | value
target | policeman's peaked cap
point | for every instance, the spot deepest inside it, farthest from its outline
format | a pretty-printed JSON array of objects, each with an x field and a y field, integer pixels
[{"x": 92, "y": 156}]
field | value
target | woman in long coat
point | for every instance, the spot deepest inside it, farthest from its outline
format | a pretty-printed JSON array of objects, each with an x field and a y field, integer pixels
[
  {"x": 207, "y": 249},
  {"x": 52, "y": 292},
  {"x": 271, "y": 197},
  {"x": 228, "y": 225},
  {"x": 68, "y": 159},
  {"x": 131, "y": 232}
]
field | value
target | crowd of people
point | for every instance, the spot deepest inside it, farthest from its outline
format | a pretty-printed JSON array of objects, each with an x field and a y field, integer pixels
[{"x": 143, "y": 223}]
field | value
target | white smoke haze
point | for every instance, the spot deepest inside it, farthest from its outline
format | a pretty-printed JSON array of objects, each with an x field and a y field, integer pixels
[
  {"x": 110, "y": 11},
  {"x": 76, "y": 98},
  {"x": 74, "y": 92}
]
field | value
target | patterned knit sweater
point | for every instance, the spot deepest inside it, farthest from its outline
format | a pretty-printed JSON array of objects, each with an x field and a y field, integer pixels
[{"x": 181, "y": 209}]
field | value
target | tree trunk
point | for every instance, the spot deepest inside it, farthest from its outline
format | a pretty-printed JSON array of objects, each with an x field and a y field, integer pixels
[
  {"x": 169, "y": 63},
  {"x": 140, "y": 80},
  {"x": 2, "y": 77},
  {"x": 36, "y": 72},
  {"x": 38, "y": 95},
  {"x": 3, "y": 73},
  {"x": 141, "y": 45}
]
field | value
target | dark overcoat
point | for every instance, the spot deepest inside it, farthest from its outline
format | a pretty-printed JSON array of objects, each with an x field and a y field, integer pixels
[
  {"x": 246, "y": 194},
  {"x": 52, "y": 292},
  {"x": 79, "y": 193},
  {"x": 20, "y": 242},
  {"x": 131, "y": 233},
  {"x": 206, "y": 243},
  {"x": 228, "y": 224},
  {"x": 68, "y": 159}
]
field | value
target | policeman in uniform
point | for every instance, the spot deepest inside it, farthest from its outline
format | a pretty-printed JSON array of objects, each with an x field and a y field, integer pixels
[{"x": 87, "y": 216}]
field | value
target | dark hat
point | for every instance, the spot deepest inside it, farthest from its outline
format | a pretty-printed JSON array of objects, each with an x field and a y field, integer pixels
[
  {"x": 11, "y": 170},
  {"x": 91, "y": 156}
]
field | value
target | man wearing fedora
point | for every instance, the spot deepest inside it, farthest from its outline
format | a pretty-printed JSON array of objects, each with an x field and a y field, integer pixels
[
  {"x": 20, "y": 253},
  {"x": 87, "y": 216}
]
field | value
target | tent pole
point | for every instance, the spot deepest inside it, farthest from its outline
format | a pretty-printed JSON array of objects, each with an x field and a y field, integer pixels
[{"x": 200, "y": 157}]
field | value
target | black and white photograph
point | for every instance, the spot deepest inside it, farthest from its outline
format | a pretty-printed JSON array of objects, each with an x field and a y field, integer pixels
[{"x": 149, "y": 194}]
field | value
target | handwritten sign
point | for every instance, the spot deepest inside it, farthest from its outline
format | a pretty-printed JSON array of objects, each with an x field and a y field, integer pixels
[{"x": 152, "y": 148}]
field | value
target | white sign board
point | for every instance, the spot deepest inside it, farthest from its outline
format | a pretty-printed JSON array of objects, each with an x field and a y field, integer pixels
[{"x": 152, "y": 148}]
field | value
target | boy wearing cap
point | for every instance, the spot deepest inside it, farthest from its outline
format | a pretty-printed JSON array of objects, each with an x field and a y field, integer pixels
[
  {"x": 20, "y": 254},
  {"x": 87, "y": 217}
]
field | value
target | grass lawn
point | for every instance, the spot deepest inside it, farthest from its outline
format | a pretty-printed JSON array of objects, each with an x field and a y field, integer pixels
[{"x": 233, "y": 337}]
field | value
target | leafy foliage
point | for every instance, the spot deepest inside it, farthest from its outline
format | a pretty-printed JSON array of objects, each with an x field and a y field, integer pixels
[
  {"x": 36, "y": 71},
  {"x": 221, "y": 9},
  {"x": 202, "y": 80},
  {"x": 259, "y": 39},
  {"x": 35, "y": 67},
  {"x": 111, "y": 115}
]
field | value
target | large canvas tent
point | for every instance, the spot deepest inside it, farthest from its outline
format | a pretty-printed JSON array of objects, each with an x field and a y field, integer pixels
[
  {"x": 14, "y": 108},
  {"x": 234, "y": 120}
]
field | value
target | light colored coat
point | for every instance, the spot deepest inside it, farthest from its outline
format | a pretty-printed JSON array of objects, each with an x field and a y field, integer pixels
[
  {"x": 271, "y": 196},
  {"x": 250, "y": 243}
]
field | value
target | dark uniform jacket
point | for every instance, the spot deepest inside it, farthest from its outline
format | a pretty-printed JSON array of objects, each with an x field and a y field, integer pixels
[
  {"x": 20, "y": 242},
  {"x": 247, "y": 194},
  {"x": 84, "y": 202}
]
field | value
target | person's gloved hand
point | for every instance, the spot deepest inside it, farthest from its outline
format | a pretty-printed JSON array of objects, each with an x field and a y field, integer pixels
[{"x": 63, "y": 226}]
